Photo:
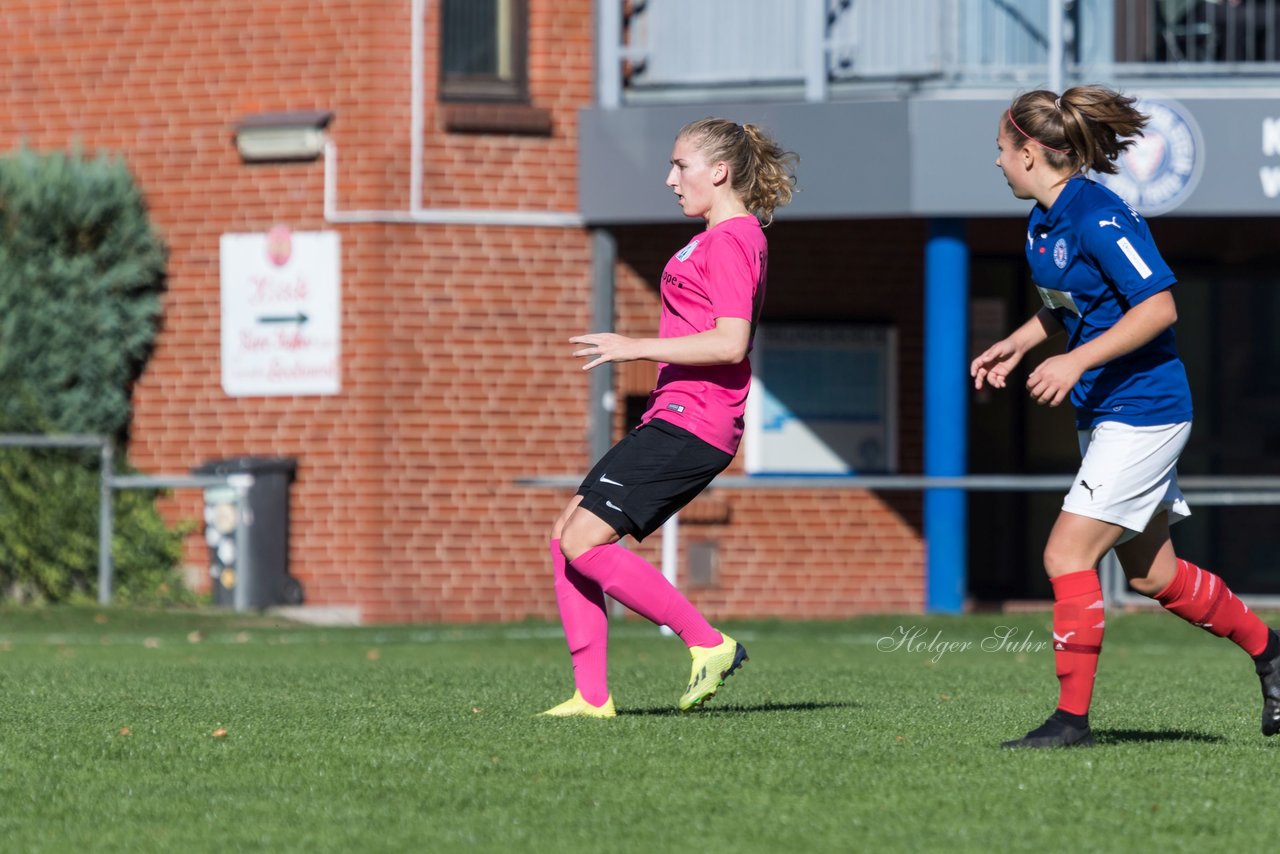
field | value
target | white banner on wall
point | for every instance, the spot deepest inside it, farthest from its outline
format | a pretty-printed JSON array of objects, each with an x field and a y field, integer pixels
[
  {"x": 281, "y": 313},
  {"x": 823, "y": 400}
]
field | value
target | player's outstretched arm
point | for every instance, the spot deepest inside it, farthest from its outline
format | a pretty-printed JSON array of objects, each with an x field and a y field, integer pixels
[{"x": 726, "y": 344}]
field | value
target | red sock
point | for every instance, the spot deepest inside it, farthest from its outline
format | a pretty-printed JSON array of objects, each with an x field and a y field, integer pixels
[
  {"x": 1201, "y": 598},
  {"x": 1078, "y": 622}
]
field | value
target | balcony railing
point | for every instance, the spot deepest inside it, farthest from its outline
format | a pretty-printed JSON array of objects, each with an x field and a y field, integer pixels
[
  {"x": 1222, "y": 36},
  {"x": 670, "y": 48}
]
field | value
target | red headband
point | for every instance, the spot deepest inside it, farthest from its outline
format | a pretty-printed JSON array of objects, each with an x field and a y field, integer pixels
[{"x": 1032, "y": 138}]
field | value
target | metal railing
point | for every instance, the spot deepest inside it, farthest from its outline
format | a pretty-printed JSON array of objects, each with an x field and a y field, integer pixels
[
  {"x": 658, "y": 49},
  {"x": 1214, "y": 35},
  {"x": 1200, "y": 490},
  {"x": 110, "y": 483}
]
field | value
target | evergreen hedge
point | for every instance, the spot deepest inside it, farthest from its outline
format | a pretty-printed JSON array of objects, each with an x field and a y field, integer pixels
[{"x": 81, "y": 279}]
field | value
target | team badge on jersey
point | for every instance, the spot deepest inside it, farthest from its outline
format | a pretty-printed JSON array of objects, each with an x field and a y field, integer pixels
[
  {"x": 1060, "y": 253},
  {"x": 683, "y": 254}
]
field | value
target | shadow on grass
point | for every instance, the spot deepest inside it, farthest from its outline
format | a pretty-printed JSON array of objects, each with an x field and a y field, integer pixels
[
  {"x": 739, "y": 709},
  {"x": 1127, "y": 736}
]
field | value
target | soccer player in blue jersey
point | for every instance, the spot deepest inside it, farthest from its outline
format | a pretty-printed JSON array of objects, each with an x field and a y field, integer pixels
[{"x": 1104, "y": 284}]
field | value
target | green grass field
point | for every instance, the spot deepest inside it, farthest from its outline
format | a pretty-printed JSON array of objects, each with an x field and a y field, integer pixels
[{"x": 126, "y": 731}]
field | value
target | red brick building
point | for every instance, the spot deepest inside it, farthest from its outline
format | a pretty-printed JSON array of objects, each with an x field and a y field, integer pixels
[
  {"x": 481, "y": 153},
  {"x": 456, "y": 377}
]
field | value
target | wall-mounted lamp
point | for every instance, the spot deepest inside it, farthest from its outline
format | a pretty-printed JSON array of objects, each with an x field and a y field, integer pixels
[{"x": 292, "y": 135}]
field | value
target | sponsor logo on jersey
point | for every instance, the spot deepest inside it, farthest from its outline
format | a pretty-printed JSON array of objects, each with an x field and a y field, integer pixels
[
  {"x": 683, "y": 254},
  {"x": 1161, "y": 169},
  {"x": 1134, "y": 258}
]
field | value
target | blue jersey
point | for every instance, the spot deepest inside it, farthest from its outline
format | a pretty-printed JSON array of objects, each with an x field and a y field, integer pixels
[{"x": 1092, "y": 259}]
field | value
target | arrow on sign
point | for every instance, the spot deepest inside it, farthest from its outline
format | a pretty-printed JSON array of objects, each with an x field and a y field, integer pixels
[{"x": 288, "y": 318}]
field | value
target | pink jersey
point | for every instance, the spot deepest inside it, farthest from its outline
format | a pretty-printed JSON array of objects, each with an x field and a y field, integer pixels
[{"x": 720, "y": 273}]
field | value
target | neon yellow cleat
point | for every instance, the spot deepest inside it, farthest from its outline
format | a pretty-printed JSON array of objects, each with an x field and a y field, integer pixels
[
  {"x": 711, "y": 666},
  {"x": 576, "y": 707}
]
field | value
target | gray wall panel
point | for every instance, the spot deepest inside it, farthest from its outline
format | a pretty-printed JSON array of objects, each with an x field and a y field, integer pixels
[
  {"x": 953, "y": 160},
  {"x": 916, "y": 157},
  {"x": 853, "y": 158},
  {"x": 1234, "y": 157}
]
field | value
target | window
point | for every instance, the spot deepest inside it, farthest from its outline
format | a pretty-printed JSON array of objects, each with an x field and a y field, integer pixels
[
  {"x": 483, "y": 50},
  {"x": 823, "y": 400}
]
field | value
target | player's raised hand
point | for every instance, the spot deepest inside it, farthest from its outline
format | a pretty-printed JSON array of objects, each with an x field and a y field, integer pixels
[
  {"x": 605, "y": 347},
  {"x": 995, "y": 364}
]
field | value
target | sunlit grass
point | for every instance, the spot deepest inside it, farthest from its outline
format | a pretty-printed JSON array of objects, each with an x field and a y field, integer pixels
[{"x": 127, "y": 731}]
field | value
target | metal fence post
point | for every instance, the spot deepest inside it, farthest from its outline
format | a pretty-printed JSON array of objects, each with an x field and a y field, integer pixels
[
  {"x": 670, "y": 554},
  {"x": 1057, "y": 50},
  {"x": 609, "y": 14},
  {"x": 815, "y": 50},
  {"x": 242, "y": 483},
  {"x": 110, "y": 483},
  {"x": 604, "y": 254},
  {"x": 106, "y": 520}
]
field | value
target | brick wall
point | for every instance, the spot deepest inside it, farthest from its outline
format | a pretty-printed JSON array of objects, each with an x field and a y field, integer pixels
[{"x": 456, "y": 377}]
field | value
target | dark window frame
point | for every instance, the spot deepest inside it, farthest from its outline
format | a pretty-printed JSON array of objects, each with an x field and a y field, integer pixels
[{"x": 459, "y": 87}]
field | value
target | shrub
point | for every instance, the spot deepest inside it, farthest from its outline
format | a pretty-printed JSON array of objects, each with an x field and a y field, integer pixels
[{"x": 81, "y": 279}]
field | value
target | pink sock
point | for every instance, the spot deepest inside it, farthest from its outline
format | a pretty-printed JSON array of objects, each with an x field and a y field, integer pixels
[
  {"x": 636, "y": 583},
  {"x": 586, "y": 628}
]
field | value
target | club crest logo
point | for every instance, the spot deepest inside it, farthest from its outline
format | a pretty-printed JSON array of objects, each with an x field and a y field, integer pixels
[
  {"x": 279, "y": 245},
  {"x": 683, "y": 254},
  {"x": 1160, "y": 171},
  {"x": 1060, "y": 253}
]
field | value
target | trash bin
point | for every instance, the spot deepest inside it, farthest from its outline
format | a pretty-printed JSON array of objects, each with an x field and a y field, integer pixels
[{"x": 249, "y": 544}]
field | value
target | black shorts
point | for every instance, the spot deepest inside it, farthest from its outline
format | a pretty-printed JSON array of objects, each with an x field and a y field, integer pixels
[{"x": 643, "y": 480}]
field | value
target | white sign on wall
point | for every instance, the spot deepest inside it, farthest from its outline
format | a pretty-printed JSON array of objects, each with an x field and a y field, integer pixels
[
  {"x": 281, "y": 323},
  {"x": 823, "y": 400}
]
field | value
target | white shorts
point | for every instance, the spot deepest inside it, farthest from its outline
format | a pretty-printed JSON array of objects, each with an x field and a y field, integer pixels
[{"x": 1129, "y": 474}]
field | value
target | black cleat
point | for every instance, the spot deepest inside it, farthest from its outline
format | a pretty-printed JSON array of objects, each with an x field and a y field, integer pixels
[
  {"x": 1060, "y": 730},
  {"x": 1268, "y": 668}
]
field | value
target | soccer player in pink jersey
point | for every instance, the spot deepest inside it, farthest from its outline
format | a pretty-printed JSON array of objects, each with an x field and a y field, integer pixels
[{"x": 732, "y": 177}]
